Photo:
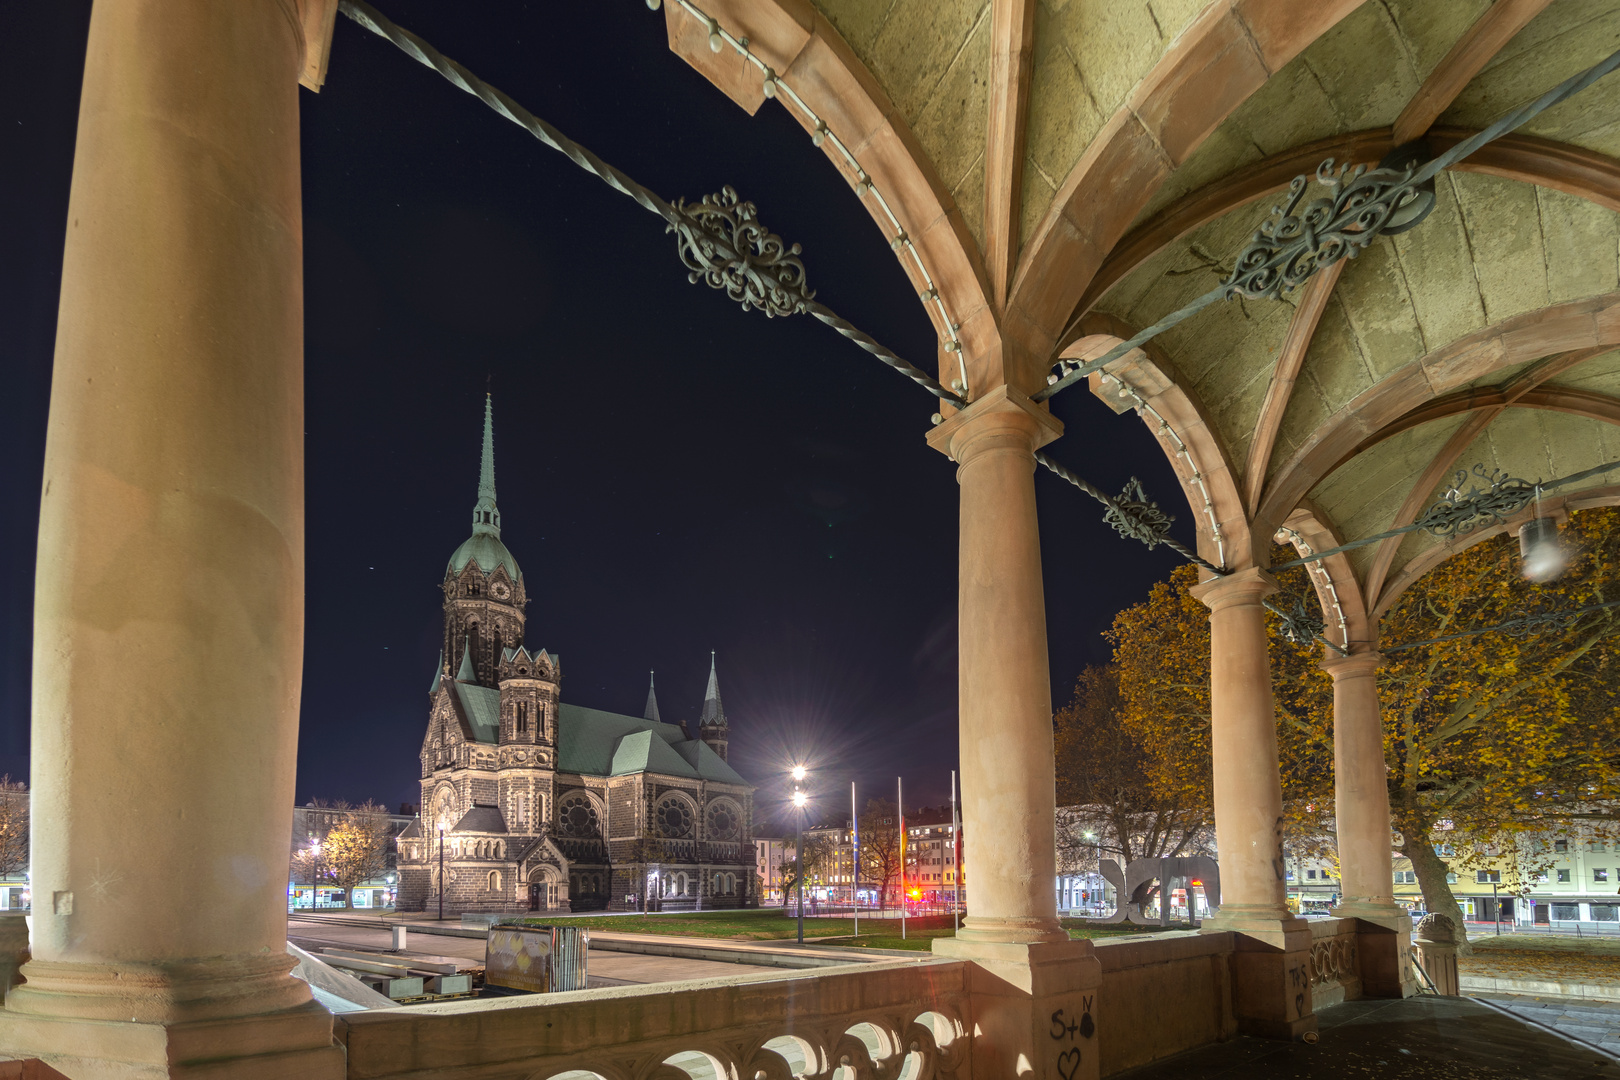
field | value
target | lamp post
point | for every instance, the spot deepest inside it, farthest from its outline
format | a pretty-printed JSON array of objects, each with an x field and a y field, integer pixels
[
  {"x": 799, "y": 799},
  {"x": 441, "y": 871}
]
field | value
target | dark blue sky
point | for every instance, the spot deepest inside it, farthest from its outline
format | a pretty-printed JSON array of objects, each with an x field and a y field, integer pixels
[{"x": 675, "y": 475}]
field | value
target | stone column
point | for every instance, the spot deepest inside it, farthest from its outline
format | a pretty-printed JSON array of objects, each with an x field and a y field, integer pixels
[
  {"x": 168, "y": 617},
  {"x": 1271, "y": 986},
  {"x": 1026, "y": 970},
  {"x": 1361, "y": 815},
  {"x": 1361, "y": 789}
]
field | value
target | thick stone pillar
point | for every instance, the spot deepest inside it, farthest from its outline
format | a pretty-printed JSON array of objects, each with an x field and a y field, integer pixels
[
  {"x": 1271, "y": 984},
  {"x": 1361, "y": 816},
  {"x": 1361, "y": 789},
  {"x": 1034, "y": 989},
  {"x": 168, "y": 630}
]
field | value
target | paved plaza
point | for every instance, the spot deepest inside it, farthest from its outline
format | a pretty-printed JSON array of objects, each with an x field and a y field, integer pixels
[{"x": 1420, "y": 1038}]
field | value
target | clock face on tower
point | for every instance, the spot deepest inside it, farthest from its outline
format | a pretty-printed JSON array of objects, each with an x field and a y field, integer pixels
[{"x": 500, "y": 591}]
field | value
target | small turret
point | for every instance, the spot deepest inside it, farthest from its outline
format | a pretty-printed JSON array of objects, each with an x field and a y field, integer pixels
[{"x": 651, "y": 712}]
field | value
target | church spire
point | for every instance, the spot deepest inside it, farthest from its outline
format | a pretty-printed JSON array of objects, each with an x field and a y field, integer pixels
[
  {"x": 486, "y": 518},
  {"x": 712, "y": 726},
  {"x": 651, "y": 712}
]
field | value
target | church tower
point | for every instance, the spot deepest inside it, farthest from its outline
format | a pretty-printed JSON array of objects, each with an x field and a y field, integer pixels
[
  {"x": 484, "y": 593},
  {"x": 712, "y": 726}
]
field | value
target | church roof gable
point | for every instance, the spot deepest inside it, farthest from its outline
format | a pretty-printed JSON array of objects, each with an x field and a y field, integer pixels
[
  {"x": 595, "y": 743},
  {"x": 481, "y": 819},
  {"x": 481, "y": 705}
]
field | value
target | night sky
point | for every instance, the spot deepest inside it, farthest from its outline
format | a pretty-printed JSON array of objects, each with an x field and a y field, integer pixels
[{"x": 674, "y": 475}]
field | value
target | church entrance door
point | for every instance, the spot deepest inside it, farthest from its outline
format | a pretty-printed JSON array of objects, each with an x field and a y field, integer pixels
[{"x": 534, "y": 895}]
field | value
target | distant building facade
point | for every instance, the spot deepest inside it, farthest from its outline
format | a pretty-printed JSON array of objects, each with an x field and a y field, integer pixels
[
  {"x": 310, "y": 825},
  {"x": 532, "y": 803}
]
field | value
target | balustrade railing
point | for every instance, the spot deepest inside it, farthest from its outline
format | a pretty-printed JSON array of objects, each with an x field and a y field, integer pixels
[{"x": 887, "y": 1019}]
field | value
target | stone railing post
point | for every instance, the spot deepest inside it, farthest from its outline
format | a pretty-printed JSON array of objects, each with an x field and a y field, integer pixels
[
  {"x": 1271, "y": 959},
  {"x": 1034, "y": 990},
  {"x": 169, "y": 591},
  {"x": 1436, "y": 945}
]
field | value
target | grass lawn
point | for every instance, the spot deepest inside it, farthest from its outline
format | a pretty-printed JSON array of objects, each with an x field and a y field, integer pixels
[{"x": 770, "y": 924}]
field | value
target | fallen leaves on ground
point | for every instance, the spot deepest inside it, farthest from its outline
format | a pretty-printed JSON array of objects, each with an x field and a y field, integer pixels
[{"x": 1525, "y": 956}]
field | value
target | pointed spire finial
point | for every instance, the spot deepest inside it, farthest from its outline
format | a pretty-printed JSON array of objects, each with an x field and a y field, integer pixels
[
  {"x": 486, "y": 517},
  {"x": 714, "y": 714},
  {"x": 651, "y": 712}
]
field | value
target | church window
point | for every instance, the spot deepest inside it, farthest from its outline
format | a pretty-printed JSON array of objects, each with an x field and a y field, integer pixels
[
  {"x": 577, "y": 815},
  {"x": 494, "y": 881},
  {"x": 723, "y": 820},
  {"x": 522, "y": 717},
  {"x": 674, "y": 817}
]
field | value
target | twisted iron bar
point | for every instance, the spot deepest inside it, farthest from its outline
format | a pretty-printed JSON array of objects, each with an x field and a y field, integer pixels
[
  {"x": 1287, "y": 251},
  {"x": 771, "y": 286},
  {"x": 1126, "y": 515},
  {"x": 1521, "y": 626},
  {"x": 1456, "y": 514}
]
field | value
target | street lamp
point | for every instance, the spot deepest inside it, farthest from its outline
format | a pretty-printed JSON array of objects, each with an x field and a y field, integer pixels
[
  {"x": 441, "y": 871},
  {"x": 799, "y": 801}
]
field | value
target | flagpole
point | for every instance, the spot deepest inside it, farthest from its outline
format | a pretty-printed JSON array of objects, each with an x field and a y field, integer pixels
[
  {"x": 854, "y": 859},
  {"x": 900, "y": 812}
]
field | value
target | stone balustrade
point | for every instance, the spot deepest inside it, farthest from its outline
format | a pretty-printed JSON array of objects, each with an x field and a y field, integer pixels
[{"x": 869, "y": 1021}]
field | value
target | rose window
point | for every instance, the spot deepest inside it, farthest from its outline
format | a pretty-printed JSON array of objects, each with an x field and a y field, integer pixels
[
  {"x": 674, "y": 818},
  {"x": 722, "y": 822},
  {"x": 576, "y": 815}
]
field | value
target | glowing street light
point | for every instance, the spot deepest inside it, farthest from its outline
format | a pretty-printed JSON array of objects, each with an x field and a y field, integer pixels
[{"x": 800, "y": 799}]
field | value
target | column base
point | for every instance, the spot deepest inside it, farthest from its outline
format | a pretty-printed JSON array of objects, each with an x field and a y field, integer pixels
[
  {"x": 1383, "y": 912},
  {"x": 211, "y": 1020},
  {"x": 1271, "y": 973},
  {"x": 1034, "y": 1007}
]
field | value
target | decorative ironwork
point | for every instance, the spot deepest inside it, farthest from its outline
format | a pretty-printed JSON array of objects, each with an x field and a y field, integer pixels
[
  {"x": 1300, "y": 624},
  {"x": 1361, "y": 205},
  {"x": 1134, "y": 515},
  {"x": 765, "y": 279},
  {"x": 1459, "y": 513},
  {"x": 723, "y": 244}
]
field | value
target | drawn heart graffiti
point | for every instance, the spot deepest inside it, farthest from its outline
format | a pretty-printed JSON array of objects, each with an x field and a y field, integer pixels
[{"x": 1068, "y": 1064}]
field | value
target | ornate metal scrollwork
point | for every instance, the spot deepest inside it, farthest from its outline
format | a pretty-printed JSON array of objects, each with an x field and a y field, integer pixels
[
  {"x": 1300, "y": 624},
  {"x": 1361, "y": 205},
  {"x": 1459, "y": 513},
  {"x": 1527, "y": 623},
  {"x": 722, "y": 243},
  {"x": 1134, "y": 515}
]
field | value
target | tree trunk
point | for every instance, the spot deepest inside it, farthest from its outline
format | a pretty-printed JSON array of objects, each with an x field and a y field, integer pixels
[{"x": 1431, "y": 875}]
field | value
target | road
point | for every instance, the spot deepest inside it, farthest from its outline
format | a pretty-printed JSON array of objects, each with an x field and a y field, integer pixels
[{"x": 605, "y": 968}]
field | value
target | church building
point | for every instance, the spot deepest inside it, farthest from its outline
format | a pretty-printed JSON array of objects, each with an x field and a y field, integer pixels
[{"x": 530, "y": 803}]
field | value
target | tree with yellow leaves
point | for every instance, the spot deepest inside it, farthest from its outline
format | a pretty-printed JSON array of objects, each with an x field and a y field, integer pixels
[
  {"x": 354, "y": 849},
  {"x": 1499, "y": 741}
]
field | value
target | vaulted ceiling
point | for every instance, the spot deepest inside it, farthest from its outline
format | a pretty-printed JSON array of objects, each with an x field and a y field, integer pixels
[{"x": 1067, "y": 172}]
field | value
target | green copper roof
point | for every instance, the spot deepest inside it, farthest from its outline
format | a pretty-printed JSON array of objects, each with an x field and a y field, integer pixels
[
  {"x": 482, "y": 707},
  {"x": 595, "y": 743},
  {"x": 484, "y": 546}
]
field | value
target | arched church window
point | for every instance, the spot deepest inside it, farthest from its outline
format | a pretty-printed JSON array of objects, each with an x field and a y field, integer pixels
[
  {"x": 576, "y": 815},
  {"x": 494, "y": 881},
  {"x": 522, "y": 717}
]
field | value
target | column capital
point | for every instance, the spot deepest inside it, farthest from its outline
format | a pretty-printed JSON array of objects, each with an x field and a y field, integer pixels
[
  {"x": 1237, "y": 588},
  {"x": 1001, "y": 413},
  {"x": 1354, "y": 666}
]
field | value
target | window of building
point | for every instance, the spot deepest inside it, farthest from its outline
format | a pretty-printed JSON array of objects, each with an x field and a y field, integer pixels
[
  {"x": 1600, "y": 873},
  {"x": 1563, "y": 877},
  {"x": 1594, "y": 845},
  {"x": 1405, "y": 877},
  {"x": 1487, "y": 877},
  {"x": 1560, "y": 845},
  {"x": 1566, "y": 912},
  {"x": 1451, "y": 879},
  {"x": 1310, "y": 875},
  {"x": 522, "y": 717},
  {"x": 1604, "y": 912}
]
